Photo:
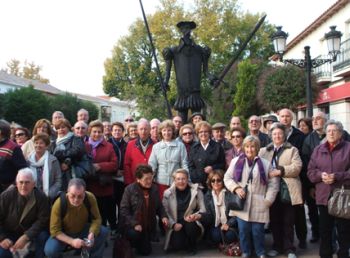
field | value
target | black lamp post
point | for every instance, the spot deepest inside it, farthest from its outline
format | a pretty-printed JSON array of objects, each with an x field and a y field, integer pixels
[{"x": 333, "y": 37}]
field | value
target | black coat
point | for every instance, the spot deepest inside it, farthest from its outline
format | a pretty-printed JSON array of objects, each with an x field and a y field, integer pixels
[{"x": 199, "y": 158}]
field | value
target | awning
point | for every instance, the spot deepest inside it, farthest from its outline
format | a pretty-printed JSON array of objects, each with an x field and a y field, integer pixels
[{"x": 334, "y": 94}]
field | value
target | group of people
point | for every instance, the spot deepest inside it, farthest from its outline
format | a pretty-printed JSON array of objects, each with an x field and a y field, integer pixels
[{"x": 175, "y": 179}]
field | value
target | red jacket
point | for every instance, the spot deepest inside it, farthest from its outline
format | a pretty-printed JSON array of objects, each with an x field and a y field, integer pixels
[
  {"x": 134, "y": 156},
  {"x": 108, "y": 162}
]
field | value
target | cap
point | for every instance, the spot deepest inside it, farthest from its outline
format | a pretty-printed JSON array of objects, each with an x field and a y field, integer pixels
[
  {"x": 218, "y": 126},
  {"x": 270, "y": 118}
]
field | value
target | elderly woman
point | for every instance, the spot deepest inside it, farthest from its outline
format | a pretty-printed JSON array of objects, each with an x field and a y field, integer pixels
[
  {"x": 217, "y": 216},
  {"x": 187, "y": 136},
  {"x": 21, "y": 135},
  {"x": 329, "y": 168},
  {"x": 138, "y": 210},
  {"x": 105, "y": 163},
  {"x": 45, "y": 167},
  {"x": 41, "y": 126},
  {"x": 237, "y": 134},
  {"x": 167, "y": 156},
  {"x": 249, "y": 171},
  {"x": 69, "y": 150},
  {"x": 131, "y": 132},
  {"x": 205, "y": 155},
  {"x": 286, "y": 165},
  {"x": 184, "y": 205}
]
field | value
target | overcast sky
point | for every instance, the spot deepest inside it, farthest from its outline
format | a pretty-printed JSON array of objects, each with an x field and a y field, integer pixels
[{"x": 71, "y": 39}]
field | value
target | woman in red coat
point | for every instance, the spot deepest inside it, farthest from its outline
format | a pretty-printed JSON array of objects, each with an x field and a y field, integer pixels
[{"x": 105, "y": 163}]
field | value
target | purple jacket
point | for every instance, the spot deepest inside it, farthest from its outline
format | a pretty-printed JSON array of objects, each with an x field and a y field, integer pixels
[{"x": 337, "y": 162}]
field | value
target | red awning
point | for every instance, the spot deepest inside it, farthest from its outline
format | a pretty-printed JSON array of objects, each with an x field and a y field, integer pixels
[{"x": 334, "y": 94}]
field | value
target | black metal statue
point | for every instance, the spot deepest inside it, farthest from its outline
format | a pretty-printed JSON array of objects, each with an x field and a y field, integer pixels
[{"x": 189, "y": 60}]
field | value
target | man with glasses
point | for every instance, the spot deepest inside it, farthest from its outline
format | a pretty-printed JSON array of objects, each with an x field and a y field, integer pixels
[
  {"x": 80, "y": 130},
  {"x": 254, "y": 124},
  {"x": 77, "y": 223},
  {"x": 24, "y": 216}
]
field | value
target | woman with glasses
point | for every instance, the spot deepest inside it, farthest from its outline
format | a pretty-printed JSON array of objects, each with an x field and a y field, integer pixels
[
  {"x": 205, "y": 155},
  {"x": 138, "y": 210},
  {"x": 237, "y": 134},
  {"x": 248, "y": 177},
  {"x": 217, "y": 217},
  {"x": 187, "y": 136},
  {"x": 41, "y": 126},
  {"x": 184, "y": 205},
  {"x": 21, "y": 135}
]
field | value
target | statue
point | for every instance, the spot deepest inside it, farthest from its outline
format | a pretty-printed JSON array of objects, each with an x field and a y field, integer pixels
[{"x": 189, "y": 60}]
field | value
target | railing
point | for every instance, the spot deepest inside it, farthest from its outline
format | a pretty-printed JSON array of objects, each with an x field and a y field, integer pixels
[
  {"x": 324, "y": 71},
  {"x": 343, "y": 58}
]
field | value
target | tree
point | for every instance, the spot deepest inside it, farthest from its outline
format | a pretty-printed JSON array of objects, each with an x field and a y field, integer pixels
[
  {"x": 13, "y": 67},
  {"x": 130, "y": 74},
  {"x": 285, "y": 87},
  {"x": 25, "y": 106},
  {"x": 28, "y": 71}
]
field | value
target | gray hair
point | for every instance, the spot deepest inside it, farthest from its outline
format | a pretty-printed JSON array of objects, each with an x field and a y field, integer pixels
[
  {"x": 26, "y": 172},
  {"x": 252, "y": 139},
  {"x": 278, "y": 125},
  {"x": 338, "y": 124},
  {"x": 82, "y": 110},
  {"x": 78, "y": 182}
]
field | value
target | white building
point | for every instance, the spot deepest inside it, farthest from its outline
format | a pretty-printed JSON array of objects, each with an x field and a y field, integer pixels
[
  {"x": 334, "y": 77},
  {"x": 110, "y": 109}
]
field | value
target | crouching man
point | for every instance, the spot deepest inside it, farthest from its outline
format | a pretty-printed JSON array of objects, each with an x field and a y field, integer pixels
[
  {"x": 76, "y": 222},
  {"x": 24, "y": 217}
]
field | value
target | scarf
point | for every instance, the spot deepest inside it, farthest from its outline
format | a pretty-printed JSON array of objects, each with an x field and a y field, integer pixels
[
  {"x": 60, "y": 142},
  {"x": 238, "y": 169},
  {"x": 220, "y": 208},
  {"x": 94, "y": 145},
  {"x": 42, "y": 162}
]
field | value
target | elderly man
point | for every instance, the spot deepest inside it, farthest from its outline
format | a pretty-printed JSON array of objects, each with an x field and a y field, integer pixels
[
  {"x": 177, "y": 120},
  {"x": 137, "y": 151},
  {"x": 75, "y": 221},
  {"x": 235, "y": 122},
  {"x": 107, "y": 130},
  {"x": 81, "y": 130},
  {"x": 154, "y": 129},
  {"x": 83, "y": 115},
  {"x": 218, "y": 131},
  {"x": 24, "y": 216},
  {"x": 296, "y": 138},
  {"x": 11, "y": 157},
  {"x": 254, "y": 124},
  {"x": 56, "y": 116}
]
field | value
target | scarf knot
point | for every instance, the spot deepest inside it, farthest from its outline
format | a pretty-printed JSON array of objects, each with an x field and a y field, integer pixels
[{"x": 239, "y": 166}]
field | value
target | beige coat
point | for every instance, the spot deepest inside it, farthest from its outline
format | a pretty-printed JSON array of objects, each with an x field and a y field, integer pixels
[
  {"x": 259, "y": 198},
  {"x": 292, "y": 164},
  {"x": 196, "y": 205}
]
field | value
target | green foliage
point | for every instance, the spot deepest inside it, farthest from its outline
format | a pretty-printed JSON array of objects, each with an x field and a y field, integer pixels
[
  {"x": 130, "y": 73},
  {"x": 25, "y": 106},
  {"x": 285, "y": 87}
]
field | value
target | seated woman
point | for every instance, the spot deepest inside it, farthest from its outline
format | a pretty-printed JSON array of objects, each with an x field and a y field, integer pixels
[
  {"x": 45, "y": 167},
  {"x": 184, "y": 205},
  {"x": 217, "y": 216},
  {"x": 252, "y": 171},
  {"x": 138, "y": 210}
]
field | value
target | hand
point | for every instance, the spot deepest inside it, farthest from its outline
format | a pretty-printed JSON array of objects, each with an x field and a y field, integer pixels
[
  {"x": 91, "y": 237},
  {"x": 240, "y": 192},
  {"x": 64, "y": 167},
  {"x": 6, "y": 243},
  {"x": 177, "y": 227},
  {"x": 224, "y": 227},
  {"x": 275, "y": 173},
  {"x": 96, "y": 166},
  {"x": 138, "y": 228},
  {"x": 77, "y": 243},
  {"x": 20, "y": 243},
  {"x": 327, "y": 178},
  {"x": 165, "y": 222},
  {"x": 208, "y": 169}
]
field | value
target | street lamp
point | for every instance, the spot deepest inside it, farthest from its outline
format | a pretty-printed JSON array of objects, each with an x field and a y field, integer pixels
[{"x": 333, "y": 37}]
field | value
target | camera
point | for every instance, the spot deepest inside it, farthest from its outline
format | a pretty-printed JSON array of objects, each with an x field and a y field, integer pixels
[{"x": 87, "y": 242}]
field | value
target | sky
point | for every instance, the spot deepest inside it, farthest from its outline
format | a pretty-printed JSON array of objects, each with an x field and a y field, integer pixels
[{"x": 71, "y": 39}]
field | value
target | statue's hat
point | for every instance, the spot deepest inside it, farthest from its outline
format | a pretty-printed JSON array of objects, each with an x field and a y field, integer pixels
[{"x": 191, "y": 24}]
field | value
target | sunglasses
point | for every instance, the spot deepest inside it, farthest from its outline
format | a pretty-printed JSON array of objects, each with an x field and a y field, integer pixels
[
  {"x": 235, "y": 136},
  {"x": 19, "y": 134},
  {"x": 216, "y": 181},
  {"x": 189, "y": 133},
  {"x": 129, "y": 120}
]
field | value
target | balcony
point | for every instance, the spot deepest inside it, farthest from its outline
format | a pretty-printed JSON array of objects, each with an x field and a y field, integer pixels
[
  {"x": 341, "y": 67},
  {"x": 323, "y": 73}
]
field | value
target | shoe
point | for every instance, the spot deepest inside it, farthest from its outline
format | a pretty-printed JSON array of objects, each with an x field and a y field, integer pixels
[
  {"x": 292, "y": 255},
  {"x": 272, "y": 253},
  {"x": 302, "y": 244}
]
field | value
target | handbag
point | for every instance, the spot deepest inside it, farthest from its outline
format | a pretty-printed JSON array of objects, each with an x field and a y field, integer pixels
[
  {"x": 339, "y": 203},
  {"x": 235, "y": 202},
  {"x": 284, "y": 192},
  {"x": 232, "y": 249}
]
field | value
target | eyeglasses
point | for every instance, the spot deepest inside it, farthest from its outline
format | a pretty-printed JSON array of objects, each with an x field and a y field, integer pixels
[
  {"x": 188, "y": 133},
  {"x": 254, "y": 121},
  {"x": 129, "y": 120},
  {"x": 19, "y": 134},
  {"x": 80, "y": 128},
  {"x": 236, "y": 136},
  {"x": 216, "y": 181}
]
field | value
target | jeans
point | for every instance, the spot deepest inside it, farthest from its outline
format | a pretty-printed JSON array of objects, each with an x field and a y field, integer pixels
[
  {"x": 257, "y": 230},
  {"x": 39, "y": 243},
  {"x": 54, "y": 247},
  {"x": 215, "y": 234}
]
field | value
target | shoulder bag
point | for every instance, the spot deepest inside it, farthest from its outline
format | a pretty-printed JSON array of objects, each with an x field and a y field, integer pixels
[{"x": 339, "y": 203}]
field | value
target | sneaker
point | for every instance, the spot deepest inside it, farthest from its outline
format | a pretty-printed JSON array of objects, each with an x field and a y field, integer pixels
[
  {"x": 292, "y": 255},
  {"x": 272, "y": 253}
]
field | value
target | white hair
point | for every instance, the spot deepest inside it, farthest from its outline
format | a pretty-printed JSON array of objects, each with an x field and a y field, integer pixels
[{"x": 26, "y": 172}]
